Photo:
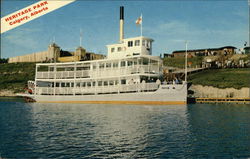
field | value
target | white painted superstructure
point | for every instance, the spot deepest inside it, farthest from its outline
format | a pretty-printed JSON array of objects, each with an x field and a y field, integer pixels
[{"x": 130, "y": 47}]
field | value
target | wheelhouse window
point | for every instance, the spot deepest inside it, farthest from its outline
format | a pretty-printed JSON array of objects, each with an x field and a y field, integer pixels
[
  {"x": 130, "y": 43},
  {"x": 143, "y": 42},
  {"x": 119, "y": 49},
  {"x": 112, "y": 49},
  {"x": 137, "y": 42},
  {"x": 148, "y": 44}
]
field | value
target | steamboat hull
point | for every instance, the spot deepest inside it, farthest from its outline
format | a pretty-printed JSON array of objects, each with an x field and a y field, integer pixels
[{"x": 165, "y": 95}]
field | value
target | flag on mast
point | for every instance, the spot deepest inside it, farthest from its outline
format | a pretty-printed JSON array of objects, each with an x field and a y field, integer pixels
[{"x": 139, "y": 21}]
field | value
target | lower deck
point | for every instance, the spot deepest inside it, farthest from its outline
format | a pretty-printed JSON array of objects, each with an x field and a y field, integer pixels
[{"x": 162, "y": 94}]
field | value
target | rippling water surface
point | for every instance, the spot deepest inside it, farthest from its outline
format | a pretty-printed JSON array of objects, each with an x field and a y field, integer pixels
[{"x": 123, "y": 131}]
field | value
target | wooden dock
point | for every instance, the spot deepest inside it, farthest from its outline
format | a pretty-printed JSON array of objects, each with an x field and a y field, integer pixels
[{"x": 223, "y": 100}]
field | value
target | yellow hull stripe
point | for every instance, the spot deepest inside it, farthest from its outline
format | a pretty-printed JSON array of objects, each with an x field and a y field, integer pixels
[{"x": 121, "y": 102}]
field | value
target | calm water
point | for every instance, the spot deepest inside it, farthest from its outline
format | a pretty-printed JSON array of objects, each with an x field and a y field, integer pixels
[{"x": 124, "y": 131}]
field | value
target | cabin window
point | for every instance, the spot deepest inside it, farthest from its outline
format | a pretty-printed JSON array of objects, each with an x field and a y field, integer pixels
[
  {"x": 123, "y": 63},
  {"x": 112, "y": 49},
  {"x": 57, "y": 84},
  {"x": 111, "y": 83},
  {"x": 130, "y": 63},
  {"x": 115, "y": 64},
  {"x": 67, "y": 84},
  {"x": 89, "y": 84},
  {"x": 77, "y": 84},
  {"x": 99, "y": 83},
  {"x": 62, "y": 84},
  {"x": 137, "y": 42},
  {"x": 130, "y": 43},
  {"x": 108, "y": 65},
  {"x": 93, "y": 84},
  {"x": 83, "y": 84},
  {"x": 123, "y": 81},
  {"x": 134, "y": 54},
  {"x": 119, "y": 49},
  {"x": 116, "y": 82},
  {"x": 101, "y": 65},
  {"x": 105, "y": 83}
]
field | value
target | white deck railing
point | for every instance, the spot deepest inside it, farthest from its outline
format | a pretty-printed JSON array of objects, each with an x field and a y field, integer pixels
[
  {"x": 107, "y": 72},
  {"x": 97, "y": 90}
]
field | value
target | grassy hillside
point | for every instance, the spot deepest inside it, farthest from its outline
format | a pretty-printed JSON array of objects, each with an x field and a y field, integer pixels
[
  {"x": 180, "y": 61},
  {"x": 14, "y": 76},
  {"x": 222, "y": 78}
]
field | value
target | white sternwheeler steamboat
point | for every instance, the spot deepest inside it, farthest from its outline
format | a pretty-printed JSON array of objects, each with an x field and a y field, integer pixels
[{"x": 129, "y": 75}]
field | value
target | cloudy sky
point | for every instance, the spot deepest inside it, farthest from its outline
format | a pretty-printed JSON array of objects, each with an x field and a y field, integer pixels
[{"x": 204, "y": 23}]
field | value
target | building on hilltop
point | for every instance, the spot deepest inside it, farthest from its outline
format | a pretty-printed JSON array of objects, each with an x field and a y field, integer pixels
[
  {"x": 54, "y": 52},
  {"x": 226, "y": 50},
  {"x": 247, "y": 50},
  {"x": 166, "y": 55}
]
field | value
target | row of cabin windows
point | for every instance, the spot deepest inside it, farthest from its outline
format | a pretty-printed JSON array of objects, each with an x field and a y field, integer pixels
[
  {"x": 109, "y": 65},
  {"x": 88, "y": 84},
  {"x": 137, "y": 43},
  {"x": 116, "y": 64},
  {"x": 130, "y": 44}
]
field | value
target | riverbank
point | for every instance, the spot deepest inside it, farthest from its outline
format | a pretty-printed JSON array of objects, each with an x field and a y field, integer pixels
[
  {"x": 14, "y": 77},
  {"x": 7, "y": 93},
  {"x": 214, "y": 92}
]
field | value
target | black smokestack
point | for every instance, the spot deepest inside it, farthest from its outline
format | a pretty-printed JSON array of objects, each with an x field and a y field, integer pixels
[{"x": 122, "y": 13}]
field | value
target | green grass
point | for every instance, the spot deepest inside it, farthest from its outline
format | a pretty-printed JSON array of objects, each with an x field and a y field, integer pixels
[
  {"x": 222, "y": 78},
  {"x": 180, "y": 61},
  {"x": 14, "y": 76}
]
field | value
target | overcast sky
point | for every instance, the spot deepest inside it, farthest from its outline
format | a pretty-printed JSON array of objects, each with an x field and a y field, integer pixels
[{"x": 204, "y": 23}]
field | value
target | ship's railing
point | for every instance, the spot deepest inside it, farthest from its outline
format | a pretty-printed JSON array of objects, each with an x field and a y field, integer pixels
[
  {"x": 63, "y": 74},
  {"x": 141, "y": 87},
  {"x": 107, "y": 72}
]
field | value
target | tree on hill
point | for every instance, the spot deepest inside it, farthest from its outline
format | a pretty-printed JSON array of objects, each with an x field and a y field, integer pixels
[{"x": 3, "y": 60}]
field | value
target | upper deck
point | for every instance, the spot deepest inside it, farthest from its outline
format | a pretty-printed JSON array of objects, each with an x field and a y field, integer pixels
[{"x": 130, "y": 66}]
